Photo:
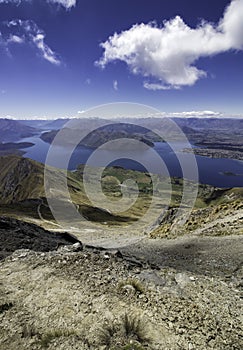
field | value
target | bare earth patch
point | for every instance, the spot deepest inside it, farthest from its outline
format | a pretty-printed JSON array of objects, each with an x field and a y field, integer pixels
[{"x": 65, "y": 300}]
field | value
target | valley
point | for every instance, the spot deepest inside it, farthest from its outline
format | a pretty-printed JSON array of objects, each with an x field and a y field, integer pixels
[
  {"x": 121, "y": 175},
  {"x": 97, "y": 281}
]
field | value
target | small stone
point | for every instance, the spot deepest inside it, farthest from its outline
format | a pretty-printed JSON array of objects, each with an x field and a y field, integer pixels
[
  {"x": 128, "y": 289},
  {"x": 170, "y": 324},
  {"x": 77, "y": 247},
  {"x": 182, "y": 279}
]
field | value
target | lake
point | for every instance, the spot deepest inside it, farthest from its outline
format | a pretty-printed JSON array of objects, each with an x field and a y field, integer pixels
[{"x": 211, "y": 171}]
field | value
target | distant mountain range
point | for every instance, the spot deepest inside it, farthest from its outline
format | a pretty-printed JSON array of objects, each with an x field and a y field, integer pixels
[
  {"x": 28, "y": 126},
  {"x": 210, "y": 123},
  {"x": 211, "y": 133},
  {"x": 13, "y": 130}
]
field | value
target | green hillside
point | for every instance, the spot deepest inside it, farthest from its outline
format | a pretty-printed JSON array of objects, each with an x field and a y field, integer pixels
[{"x": 22, "y": 195}]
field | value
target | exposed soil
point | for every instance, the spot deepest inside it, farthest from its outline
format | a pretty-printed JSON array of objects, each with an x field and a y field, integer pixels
[{"x": 186, "y": 292}]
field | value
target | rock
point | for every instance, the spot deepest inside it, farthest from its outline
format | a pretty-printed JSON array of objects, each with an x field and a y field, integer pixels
[
  {"x": 77, "y": 247},
  {"x": 152, "y": 276},
  {"x": 16, "y": 234},
  {"x": 73, "y": 248},
  {"x": 128, "y": 289},
  {"x": 182, "y": 279}
]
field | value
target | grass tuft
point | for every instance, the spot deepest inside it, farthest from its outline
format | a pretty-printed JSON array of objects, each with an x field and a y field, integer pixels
[
  {"x": 128, "y": 332},
  {"x": 135, "y": 283},
  {"x": 56, "y": 333},
  {"x": 5, "y": 307}
]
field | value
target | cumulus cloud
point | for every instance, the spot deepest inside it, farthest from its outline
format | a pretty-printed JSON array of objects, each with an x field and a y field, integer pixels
[
  {"x": 27, "y": 32},
  {"x": 167, "y": 54},
  {"x": 65, "y": 3}
]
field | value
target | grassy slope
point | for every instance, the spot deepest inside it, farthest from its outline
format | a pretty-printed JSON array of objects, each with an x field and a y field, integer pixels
[
  {"x": 22, "y": 194},
  {"x": 22, "y": 191},
  {"x": 23, "y": 179}
]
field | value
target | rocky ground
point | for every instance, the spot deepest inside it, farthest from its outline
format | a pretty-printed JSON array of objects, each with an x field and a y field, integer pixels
[
  {"x": 154, "y": 294},
  {"x": 16, "y": 234}
]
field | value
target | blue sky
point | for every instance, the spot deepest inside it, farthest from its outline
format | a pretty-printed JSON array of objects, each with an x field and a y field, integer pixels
[{"x": 58, "y": 57}]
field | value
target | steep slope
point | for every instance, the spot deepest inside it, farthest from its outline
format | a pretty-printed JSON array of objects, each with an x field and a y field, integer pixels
[
  {"x": 23, "y": 179},
  {"x": 22, "y": 193},
  {"x": 15, "y": 234},
  {"x": 220, "y": 214}
]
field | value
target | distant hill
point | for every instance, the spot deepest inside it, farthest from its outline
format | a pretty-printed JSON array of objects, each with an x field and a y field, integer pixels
[
  {"x": 210, "y": 123},
  {"x": 13, "y": 130},
  {"x": 57, "y": 123},
  {"x": 102, "y": 135},
  {"x": 46, "y": 124}
]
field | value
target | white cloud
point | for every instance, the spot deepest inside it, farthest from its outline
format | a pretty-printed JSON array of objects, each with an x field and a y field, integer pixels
[
  {"x": 45, "y": 50},
  {"x": 15, "y": 39},
  {"x": 27, "y": 32},
  {"x": 197, "y": 114},
  {"x": 159, "y": 86},
  {"x": 10, "y": 1},
  {"x": 115, "y": 85},
  {"x": 65, "y": 3},
  {"x": 168, "y": 53}
]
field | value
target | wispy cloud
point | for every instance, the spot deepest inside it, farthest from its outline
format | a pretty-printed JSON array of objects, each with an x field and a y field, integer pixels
[
  {"x": 159, "y": 86},
  {"x": 115, "y": 85},
  {"x": 168, "y": 53},
  {"x": 198, "y": 114},
  {"x": 15, "y": 39},
  {"x": 65, "y": 3},
  {"x": 10, "y": 1},
  {"x": 27, "y": 32}
]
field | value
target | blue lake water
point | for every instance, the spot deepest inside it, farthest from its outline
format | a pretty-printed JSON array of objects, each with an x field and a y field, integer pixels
[{"x": 211, "y": 171}]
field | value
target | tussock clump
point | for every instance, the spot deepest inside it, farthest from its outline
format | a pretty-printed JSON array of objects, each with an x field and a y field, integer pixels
[
  {"x": 128, "y": 332},
  {"x": 5, "y": 307},
  {"x": 47, "y": 338},
  {"x": 133, "y": 282}
]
